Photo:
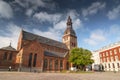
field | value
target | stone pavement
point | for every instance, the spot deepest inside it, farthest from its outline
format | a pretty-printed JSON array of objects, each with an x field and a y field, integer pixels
[{"x": 59, "y": 76}]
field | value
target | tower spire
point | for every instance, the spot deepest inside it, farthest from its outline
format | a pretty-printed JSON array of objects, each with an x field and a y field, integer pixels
[
  {"x": 69, "y": 37},
  {"x": 10, "y": 43},
  {"x": 69, "y": 22}
]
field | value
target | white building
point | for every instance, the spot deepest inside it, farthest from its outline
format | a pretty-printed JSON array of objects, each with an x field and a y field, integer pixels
[{"x": 109, "y": 57}]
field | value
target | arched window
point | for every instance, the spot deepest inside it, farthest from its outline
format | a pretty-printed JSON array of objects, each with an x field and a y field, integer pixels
[
  {"x": 35, "y": 58},
  {"x": 56, "y": 64},
  {"x": 10, "y": 56},
  {"x": 45, "y": 63},
  {"x": 67, "y": 65},
  {"x": 50, "y": 64},
  {"x": 5, "y": 56},
  {"x": 30, "y": 60},
  {"x": 61, "y": 64}
]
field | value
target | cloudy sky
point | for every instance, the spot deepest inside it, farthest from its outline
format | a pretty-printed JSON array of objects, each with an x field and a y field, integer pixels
[{"x": 96, "y": 22}]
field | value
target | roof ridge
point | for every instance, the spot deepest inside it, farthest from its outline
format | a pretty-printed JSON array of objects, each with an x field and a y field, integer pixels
[
  {"x": 43, "y": 36},
  {"x": 31, "y": 36},
  {"x": 8, "y": 48}
]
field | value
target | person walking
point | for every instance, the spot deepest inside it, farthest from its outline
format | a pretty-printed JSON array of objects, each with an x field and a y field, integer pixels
[{"x": 10, "y": 68}]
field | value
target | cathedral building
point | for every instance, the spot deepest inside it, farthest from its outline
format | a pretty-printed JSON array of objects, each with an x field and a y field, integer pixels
[{"x": 38, "y": 53}]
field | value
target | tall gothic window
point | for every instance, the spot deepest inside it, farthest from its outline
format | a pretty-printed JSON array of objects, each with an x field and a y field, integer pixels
[
  {"x": 30, "y": 60},
  {"x": 5, "y": 56},
  {"x": 56, "y": 64},
  {"x": 61, "y": 64},
  {"x": 35, "y": 58},
  {"x": 10, "y": 56},
  {"x": 45, "y": 63},
  {"x": 50, "y": 64},
  {"x": 67, "y": 65}
]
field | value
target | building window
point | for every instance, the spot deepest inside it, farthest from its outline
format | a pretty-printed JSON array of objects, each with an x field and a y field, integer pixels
[
  {"x": 118, "y": 65},
  {"x": 116, "y": 58},
  {"x": 106, "y": 53},
  {"x": 113, "y": 65},
  {"x": 109, "y": 65},
  {"x": 45, "y": 63},
  {"x": 119, "y": 50},
  {"x": 110, "y": 52},
  {"x": 101, "y": 60},
  {"x": 105, "y": 66},
  {"x": 50, "y": 64},
  {"x": 35, "y": 58},
  {"x": 30, "y": 60},
  {"x": 115, "y": 51},
  {"x": 112, "y": 59},
  {"x": 56, "y": 64},
  {"x": 5, "y": 56},
  {"x": 61, "y": 64},
  {"x": 104, "y": 59},
  {"x": 67, "y": 65},
  {"x": 108, "y": 59},
  {"x": 10, "y": 56},
  {"x": 103, "y": 54}
]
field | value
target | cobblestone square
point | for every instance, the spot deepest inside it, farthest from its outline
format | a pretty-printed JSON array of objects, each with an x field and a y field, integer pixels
[{"x": 59, "y": 76}]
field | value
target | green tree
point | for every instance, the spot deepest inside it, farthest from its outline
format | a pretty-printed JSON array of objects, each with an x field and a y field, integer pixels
[{"x": 80, "y": 57}]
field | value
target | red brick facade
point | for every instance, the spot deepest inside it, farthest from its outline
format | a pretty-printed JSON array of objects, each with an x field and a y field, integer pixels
[
  {"x": 110, "y": 54},
  {"x": 110, "y": 58},
  {"x": 7, "y": 58},
  {"x": 37, "y": 53}
]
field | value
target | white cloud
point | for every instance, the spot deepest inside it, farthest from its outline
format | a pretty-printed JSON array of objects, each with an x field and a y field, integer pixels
[
  {"x": 52, "y": 34},
  {"x": 96, "y": 37},
  {"x": 115, "y": 29},
  {"x": 77, "y": 24},
  {"x": 44, "y": 16},
  {"x": 59, "y": 23},
  {"x": 99, "y": 36},
  {"x": 73, "y": 13},
  {"x": 5, "y": 10},
  {"x": 12, "y": 32},
  {"x": 29, "y": 12},
  {"x": 114, "y": 13},
  {"x": 32, "y": 5},
  {"x": 35, "y": 3},
  {"x": 93, "y": 9}
]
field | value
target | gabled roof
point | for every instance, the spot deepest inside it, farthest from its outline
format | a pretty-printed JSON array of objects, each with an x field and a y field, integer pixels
[
  {"x": 31, "y": 36},
  {"x": 55, "y": 54},
  {"x": 10, "y": 48}
]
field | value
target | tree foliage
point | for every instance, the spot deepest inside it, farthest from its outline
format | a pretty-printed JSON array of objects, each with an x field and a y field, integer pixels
[{"x": 80, "y": 57}]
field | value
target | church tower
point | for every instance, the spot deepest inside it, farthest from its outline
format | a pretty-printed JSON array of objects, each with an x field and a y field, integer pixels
[{"x": 69, "y": 37}]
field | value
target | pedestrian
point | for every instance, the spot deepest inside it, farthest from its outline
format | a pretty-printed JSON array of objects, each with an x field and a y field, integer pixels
[{"x": 10, "y": 68}]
